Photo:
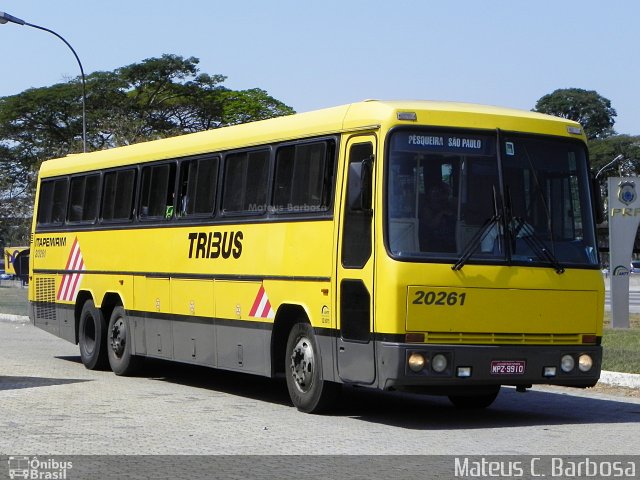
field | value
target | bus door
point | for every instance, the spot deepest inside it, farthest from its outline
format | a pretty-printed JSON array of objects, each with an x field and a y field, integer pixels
[{"x": 355, "y": 342}]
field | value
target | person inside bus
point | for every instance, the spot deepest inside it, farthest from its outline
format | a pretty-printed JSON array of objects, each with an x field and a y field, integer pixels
[{"x": 438, "y": 219}]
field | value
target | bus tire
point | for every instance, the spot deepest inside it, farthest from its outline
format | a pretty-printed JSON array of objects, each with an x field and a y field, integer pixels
[
  {"x": 119, "y": 348},
  {"x": 303, "y": 371},
  {"x": 482, "y": 400},
  {"x": 92, "y": 337}
]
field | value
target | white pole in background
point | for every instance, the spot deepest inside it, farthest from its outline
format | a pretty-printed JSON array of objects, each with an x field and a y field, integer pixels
[{"x": 624, "y": 217}]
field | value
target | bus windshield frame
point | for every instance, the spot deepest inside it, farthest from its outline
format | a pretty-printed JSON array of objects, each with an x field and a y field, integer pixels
[{"x": 464, "y": 196}]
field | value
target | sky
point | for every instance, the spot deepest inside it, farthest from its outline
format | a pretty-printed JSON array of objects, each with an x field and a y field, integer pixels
[{"x": 315, "y": 54}]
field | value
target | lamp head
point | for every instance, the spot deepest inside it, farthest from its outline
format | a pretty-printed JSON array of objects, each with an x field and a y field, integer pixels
[{"x": 5, "y": 18}]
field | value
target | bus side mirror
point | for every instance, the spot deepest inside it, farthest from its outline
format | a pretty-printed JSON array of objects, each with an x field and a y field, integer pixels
[
  {"x": 359, "y": 187},
  {"x": 598, "y": 207}
]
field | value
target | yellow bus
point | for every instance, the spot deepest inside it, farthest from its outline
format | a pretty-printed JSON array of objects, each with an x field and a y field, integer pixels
[{"x": 431, "y": 247}]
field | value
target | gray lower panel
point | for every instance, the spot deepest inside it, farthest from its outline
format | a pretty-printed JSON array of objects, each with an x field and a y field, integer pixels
[
  {"x": 158, "y": 337},
  {"x": 46, "y": 317},
  {"x": 67, "y": 324},
  {"x": 194, "y": 343},
  {"x": 243, "y": 348},
  {"x": 356, "y": 361},
  {"x": 231, "y": 345},
  {"x": 327, "y": 345}
]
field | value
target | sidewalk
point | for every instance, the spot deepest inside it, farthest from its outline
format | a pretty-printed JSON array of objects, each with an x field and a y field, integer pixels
[{"x": 629, "y": 380}]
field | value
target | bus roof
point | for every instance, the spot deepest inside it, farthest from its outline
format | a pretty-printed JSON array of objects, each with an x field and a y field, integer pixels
[{"x": 355, "y": 116}]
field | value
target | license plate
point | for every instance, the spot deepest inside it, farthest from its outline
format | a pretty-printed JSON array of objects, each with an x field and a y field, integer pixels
[{"x": 508, "y": 367}]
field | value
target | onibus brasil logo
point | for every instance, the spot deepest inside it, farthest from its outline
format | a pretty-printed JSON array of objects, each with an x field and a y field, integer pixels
[{"x": 34, "y": 468}]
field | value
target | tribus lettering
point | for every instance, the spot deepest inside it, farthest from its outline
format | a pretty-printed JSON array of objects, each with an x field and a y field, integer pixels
[{"x": 215, "y": 244}]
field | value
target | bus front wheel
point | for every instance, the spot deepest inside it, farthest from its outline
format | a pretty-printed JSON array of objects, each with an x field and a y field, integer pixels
[
  {"x": 475, "y": 400},
  {"x": 119, "y": 348},
  {"x": 92, "y": 337},
  {"x": 303, "y": 370}
]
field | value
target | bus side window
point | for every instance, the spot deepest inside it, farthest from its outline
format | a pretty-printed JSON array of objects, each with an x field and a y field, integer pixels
[
  {"x": 157, "y": 191},
  {"x": 83, "y": 198},
  {"x": 198, "y": 180},
  {"x": 117, "y": 195},
  {"x": 303, "y": 178},
  {"x": 52, "y": 204},
  {"x": 245, "y": 182}
]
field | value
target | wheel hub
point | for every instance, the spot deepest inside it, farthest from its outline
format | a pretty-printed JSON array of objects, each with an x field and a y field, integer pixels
[
  {"x": 118, "y": 338},
  {"x": 302, "y": 364}
]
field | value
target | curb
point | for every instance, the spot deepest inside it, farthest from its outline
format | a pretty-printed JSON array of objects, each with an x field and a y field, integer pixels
[
  {"x": 7, "y": 317},
  {"x": 617, "y": 379}
]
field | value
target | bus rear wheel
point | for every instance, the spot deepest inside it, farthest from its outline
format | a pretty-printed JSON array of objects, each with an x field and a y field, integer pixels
[
  {"x": 119, "y": 347},
  {"x": 476, "y": 400},
  {"x": 92, "y": 335},
  {"x": 303, "y": 370}
]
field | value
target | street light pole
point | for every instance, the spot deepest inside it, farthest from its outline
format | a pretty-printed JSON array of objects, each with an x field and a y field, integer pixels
[
  {"x": 6, "y": 18},
  {"x": 618, "y": 158}
]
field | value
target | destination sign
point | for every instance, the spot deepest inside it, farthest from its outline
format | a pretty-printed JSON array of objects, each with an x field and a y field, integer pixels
[{"x": 444, "y": 143}]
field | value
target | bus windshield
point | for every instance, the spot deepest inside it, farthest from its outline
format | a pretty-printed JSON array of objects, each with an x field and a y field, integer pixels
[{"x": 469, "y": 197}]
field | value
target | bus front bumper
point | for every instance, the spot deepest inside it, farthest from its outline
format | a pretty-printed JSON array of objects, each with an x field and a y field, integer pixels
[{"x": 457, "y": 366}]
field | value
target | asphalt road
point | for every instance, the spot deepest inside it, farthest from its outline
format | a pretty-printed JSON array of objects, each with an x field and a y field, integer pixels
[{"x": 51, "y": 404}]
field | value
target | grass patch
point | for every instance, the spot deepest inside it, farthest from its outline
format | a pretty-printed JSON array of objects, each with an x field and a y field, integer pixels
[
  {"x": 13, "y": 298},
  {"x": 621, "y": 349},
  {"x": 621, "y": 346}
]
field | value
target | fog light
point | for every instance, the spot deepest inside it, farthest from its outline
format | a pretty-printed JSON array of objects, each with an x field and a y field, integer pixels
[
  {"x": 416, "y": 362},
  {"x": 567, "y": 363},
  {"x": 585, "y": 362},
  {"x": 549, "y": 372},
  {"x": 464, "y": 372},
  {"x": 439, "y": 363}
]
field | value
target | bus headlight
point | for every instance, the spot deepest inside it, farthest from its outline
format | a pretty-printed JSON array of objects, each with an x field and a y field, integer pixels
[
  {"x": 567, "y": 363},
  {"x": 439, "y": 363},
  {"x": 416, "y": 362},
  {"x": 585, "y": 362}
]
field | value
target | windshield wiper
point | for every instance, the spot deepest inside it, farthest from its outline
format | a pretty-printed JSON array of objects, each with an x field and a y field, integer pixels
[
  {"x": 492, "y": 222},
  {"x": 534, "y": 242},
  {"x": 476, "y": 240}
]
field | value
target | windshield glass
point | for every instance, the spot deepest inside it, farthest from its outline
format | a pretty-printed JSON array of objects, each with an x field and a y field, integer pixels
[{"x": 453, "y": 196}]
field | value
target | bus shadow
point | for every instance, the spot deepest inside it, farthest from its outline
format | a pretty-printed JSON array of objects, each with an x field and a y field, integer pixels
[
  {"x": 511, "y": 409},
  {"x": 419, "y": 412},
  {"x": 69, "y": 358},
  {"x": 18, "y": 382},
  {"x": 223, "y": 381},
  {"x": 233, "y": 383},
  {"x": 410, "y": 411}
]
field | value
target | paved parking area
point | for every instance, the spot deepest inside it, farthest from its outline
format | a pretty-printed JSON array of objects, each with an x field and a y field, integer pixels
[{"x": 52, "y": 405}]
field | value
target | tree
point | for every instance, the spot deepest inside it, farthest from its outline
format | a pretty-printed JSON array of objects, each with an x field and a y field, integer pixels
[
  {"x": 16, "y": 192},
  {"x": 156, "y": 98},
  {"x": 603, "y": 151},
  {"x": 591, "y": 110}
]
